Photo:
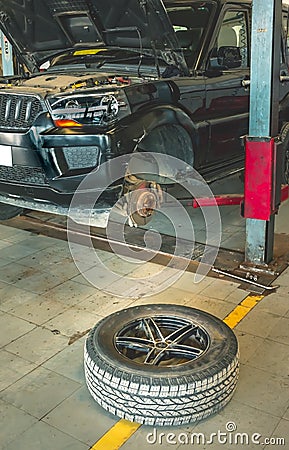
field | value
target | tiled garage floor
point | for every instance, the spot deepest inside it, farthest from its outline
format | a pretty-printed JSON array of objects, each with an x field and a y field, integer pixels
[{"x": 46, "y": 307}]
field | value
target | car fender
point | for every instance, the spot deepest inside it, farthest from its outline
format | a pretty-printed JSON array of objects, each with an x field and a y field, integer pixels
[{"x": 158, "y": 130}]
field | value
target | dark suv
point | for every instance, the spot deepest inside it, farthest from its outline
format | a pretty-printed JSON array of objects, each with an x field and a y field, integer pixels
[{"x": 103, "y": 78}]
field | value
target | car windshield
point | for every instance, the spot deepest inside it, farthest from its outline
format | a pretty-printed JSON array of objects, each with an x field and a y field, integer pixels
[
  {"x": 94, "y": 56},
  {"x": 129, "y": 60},
  {"x": 190, "y": 23}
]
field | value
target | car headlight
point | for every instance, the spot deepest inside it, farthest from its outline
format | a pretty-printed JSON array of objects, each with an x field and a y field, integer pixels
[{"x": 100, "y": 109}]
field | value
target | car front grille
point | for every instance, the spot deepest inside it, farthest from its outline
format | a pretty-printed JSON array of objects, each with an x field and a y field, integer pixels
[
  {"x": 18, "y": 112},
  {"x": 23, "y": 175}
]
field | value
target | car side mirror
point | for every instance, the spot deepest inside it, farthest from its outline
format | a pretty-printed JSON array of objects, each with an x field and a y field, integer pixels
[{"x": 229, "y": 57}]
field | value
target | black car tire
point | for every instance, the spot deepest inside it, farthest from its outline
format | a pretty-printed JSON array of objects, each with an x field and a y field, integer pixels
[
  {"x": 9, "y": 211},
  {"x": 171, "y": 391}
]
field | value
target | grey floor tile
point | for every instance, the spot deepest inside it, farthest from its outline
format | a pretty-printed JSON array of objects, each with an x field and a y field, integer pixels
[
  {"x": 13, "y": 422},
  {"x": 35, "y": 260},
  {"x": 72, "y": 322},
  {"x": 65, "y": 268},
  {"x": 12, "y": 297},
  {"x": 81, "y": 417},
  {"x": 274, "y": 304},
  {"x": 38, "y": 242},
  {"x": 3, "y": 262},
  {"x": 120, "y": 266},
  {"x": 220, "y": 289},
  {"x": 48, "y": 256},
  {"x": 12, "y": 328},
  {"x": 70, "y": 293},
  {"x": 39, "y": 392},
  {"x": 149, "y": 438},
  {"x": 258, "y": 323},
  {"x": 233, "y": 419},
  {"x": 17, "y": 251},
  {"x": 39, "y": 282},
  {"x": 262, "y": 390},
  {"x": 84, "y": 254},
  {"x": 215, "y": 306},
  {"x": 283, "y": 279},
  {"x": 280, "y": 437},
  {"x": 248, "y": 420},
  {"x": 248, "y": 345},
  {"x": 81, "y": 279},
  {"x": 13, "y": 272},
  {"x": 44, "y": 437},
  {"x": 3, "y": 285},
  {"x": 38, "y": 345},
  {"x": 104, "y": 304},
  {"x": 281, "y": 225},
  {"x": 145, "y": 270},
  {"x": 170, "y": 296},
  {"x": 37, "y": 310},
  {"x": 237, "y": 296},
  {"x": 286, "y": 415},
  {"x": 235, "y": 242},
  {"x": 280, "y": 333},
  {"x": 272, "y": 357},
  {"x": 204, "y": 447},
  {"x": 7, "y": 232},
  {"x": 12, "y": 368},
  {"x": 99, "y": 276},
  {"x": 126, "y": 287},
  {"x": 69, "y": 362},
  {"x": 283, "y": 289},
  {"x": 163, "y": 279},
  {"x": 187, "y": 283},
  {"x": 4, "y": 244}
]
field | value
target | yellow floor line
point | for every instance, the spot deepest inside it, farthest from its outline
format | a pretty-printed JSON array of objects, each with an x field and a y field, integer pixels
[
  {"x": 116, "y": 436},
  {"x": 242, "y": 310}
]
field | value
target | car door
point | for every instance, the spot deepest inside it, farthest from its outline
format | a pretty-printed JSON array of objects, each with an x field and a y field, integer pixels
[{"x": 227, "y": 100}]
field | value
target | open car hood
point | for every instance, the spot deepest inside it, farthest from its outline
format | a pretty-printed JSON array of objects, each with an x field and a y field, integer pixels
[{"x": 41, "y": 29}]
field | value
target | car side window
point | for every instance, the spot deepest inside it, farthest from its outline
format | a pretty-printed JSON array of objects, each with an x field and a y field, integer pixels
[
  {"x": 285, "y": 38},
  {"x": 230, "y": 50}
]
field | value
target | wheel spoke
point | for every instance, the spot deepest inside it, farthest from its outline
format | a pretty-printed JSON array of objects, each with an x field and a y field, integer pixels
[
  {"x": 152, "y": 330},
  {"x": 162, "y": 341},
  {"x": 134, "y": 343},
  {"x": 181, "y": 351},
  {"x": 155, "y": 356},
  {"x": 181, "y": 334}
]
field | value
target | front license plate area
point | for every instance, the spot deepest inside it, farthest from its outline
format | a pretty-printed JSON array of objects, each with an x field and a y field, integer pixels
[{"x": 6, "y": 155}]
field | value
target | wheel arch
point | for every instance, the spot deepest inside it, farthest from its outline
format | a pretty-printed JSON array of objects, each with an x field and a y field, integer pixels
[
  {"x": 143, "y": 122},
  {"x": 164, "y": 129}
]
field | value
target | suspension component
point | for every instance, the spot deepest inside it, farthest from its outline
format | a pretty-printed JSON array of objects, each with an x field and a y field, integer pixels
[{"x": 141, "y": 199}]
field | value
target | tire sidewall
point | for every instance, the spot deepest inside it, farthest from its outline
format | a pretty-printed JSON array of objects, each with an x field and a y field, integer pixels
[{"x": 221, "y": 351}]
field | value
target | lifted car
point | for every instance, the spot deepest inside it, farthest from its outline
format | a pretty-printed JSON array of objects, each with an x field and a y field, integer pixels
[{"x": 104, "y": 78}]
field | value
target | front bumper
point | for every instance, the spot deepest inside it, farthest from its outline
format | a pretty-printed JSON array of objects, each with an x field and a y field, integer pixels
[
  {"x": 63, "y": 155},
  {"x": 48, "y": 169}
]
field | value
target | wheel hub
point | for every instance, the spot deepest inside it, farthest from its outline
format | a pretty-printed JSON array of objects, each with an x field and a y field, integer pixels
[
  {"x": 145, "y": 202},
  {"x": 162, "y": 341}
]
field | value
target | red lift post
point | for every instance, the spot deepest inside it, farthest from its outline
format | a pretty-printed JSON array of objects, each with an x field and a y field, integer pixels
[
  {"x": 262, "y": 189},
  {"x": 262, "y": 192}
]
